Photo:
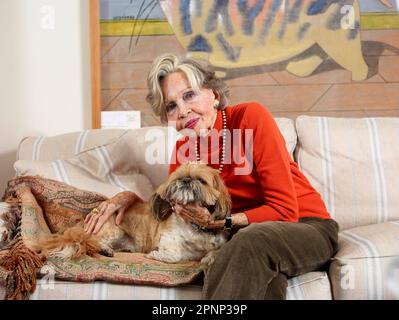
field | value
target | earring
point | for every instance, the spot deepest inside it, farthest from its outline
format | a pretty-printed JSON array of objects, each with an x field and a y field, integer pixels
[{"x": 216, "y": 105}]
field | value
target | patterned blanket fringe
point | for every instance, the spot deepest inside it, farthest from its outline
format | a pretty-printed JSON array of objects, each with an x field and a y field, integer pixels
[
  {"x": 11, "y": 220},
  {"x": 17, "y": 257},
  {"x": 23, "y": 263}
]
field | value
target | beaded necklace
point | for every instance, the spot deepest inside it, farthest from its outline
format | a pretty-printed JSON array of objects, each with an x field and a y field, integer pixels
[{"x": 224, "y": 132}]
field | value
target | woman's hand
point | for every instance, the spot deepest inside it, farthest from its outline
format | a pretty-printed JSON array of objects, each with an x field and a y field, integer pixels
[
  {"x": 198, "y": 215},
  {"x": 98, "y": 216}
]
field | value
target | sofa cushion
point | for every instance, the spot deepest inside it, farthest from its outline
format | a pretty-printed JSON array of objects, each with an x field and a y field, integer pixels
[
  {"x": 367, "y": 263},
  {"x": 310, "y": 286},
  {"x": 352, "y": 164},
  {"x": 64, "y": 145},
  {"x": 67, "y": 145},
  {"x": 287, "y": 128},
  {"x": 107, "y": 169}
]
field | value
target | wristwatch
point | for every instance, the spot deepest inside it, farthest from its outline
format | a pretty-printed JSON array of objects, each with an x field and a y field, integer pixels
[{"x": 228, "y": 223}]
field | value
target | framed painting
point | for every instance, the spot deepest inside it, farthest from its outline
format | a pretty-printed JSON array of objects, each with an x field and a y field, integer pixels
[{"x": 314, "y": 57}]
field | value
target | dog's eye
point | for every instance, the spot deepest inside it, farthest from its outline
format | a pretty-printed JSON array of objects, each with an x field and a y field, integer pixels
[{"x": 202, "y": 180}]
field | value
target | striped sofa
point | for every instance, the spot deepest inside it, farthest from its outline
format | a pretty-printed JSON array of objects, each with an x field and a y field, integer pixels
[{"x": 352, "y": 162}]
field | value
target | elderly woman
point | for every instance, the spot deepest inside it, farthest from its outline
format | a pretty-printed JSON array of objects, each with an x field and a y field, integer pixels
[{"x": 281, "y": 227}]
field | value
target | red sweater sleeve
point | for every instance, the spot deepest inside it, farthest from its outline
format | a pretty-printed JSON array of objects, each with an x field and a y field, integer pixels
[{"x": 272, "y": 163}]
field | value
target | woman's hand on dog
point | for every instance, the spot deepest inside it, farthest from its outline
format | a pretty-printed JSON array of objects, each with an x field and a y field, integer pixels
[
  {"x": 194, "y": 213},
  {"x": 99, "y": 216},
  {"x": 96, "y": 219}
]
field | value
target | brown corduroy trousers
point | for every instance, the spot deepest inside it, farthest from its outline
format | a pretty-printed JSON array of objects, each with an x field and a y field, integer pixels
[{"x": 258, "y": 260}]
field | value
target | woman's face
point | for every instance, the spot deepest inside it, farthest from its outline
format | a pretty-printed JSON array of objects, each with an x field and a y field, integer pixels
[{"x": 186, "y": 108}]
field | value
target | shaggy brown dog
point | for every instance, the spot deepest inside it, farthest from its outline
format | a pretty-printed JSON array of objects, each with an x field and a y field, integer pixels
[{"x": 153, "y": 227}]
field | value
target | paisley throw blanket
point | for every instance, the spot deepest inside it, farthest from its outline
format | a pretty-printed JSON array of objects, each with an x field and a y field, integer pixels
[{"x": 42, "y": 206}]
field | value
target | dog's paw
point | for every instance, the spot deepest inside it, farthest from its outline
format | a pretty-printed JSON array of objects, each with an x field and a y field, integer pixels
[
  {"x": 156, "y": 255},
  {"x": 163, "y": 256},
  {"x": 107, "y": 251},
  {"x": 208, "y": 259}
]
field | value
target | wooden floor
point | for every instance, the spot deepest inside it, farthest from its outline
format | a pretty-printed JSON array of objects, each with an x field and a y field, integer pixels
[{"x": 328, "y": 92}]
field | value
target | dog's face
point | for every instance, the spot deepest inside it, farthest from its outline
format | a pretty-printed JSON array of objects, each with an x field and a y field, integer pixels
[{"x": 192, "y": 183}]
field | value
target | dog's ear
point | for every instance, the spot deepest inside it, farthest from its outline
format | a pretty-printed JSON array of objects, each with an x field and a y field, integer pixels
[
  {"x": 160, "y": 208},
  {"x": 223, "y": 204}
]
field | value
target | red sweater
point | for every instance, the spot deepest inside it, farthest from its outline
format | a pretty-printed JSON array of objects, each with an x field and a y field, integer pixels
[{"x": 275, "y": 189}]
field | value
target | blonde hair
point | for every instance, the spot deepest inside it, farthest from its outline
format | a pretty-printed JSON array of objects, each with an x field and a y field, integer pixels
[{"x": 198, "y": 74}]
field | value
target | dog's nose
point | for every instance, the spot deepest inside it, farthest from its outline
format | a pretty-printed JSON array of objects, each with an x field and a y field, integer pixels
[{"x": 186, "y": 179}]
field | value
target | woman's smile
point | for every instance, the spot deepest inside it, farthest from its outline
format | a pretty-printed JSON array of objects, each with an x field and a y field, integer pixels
[{"x": 191, "y": 123}]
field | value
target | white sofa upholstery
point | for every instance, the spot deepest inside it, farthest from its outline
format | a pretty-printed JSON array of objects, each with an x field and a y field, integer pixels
[{"x": 353, "y": 163}]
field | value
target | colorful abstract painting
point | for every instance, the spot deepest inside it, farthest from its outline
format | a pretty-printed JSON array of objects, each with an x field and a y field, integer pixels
[{"x": 321, "y": 57}]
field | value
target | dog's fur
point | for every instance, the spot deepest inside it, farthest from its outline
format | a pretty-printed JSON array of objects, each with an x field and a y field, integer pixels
[{"x": 153, "y": 227}]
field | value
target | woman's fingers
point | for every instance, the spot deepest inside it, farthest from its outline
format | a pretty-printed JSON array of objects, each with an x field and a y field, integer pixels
[
  {"x": 108, "y": 212},
  {"x": 198, "y": 213},
  {"x": 190, "y": 209},
  {"x": 99, "y": 223},
  {"x": 194, "y": 214},
  {"x": 99, "y": 216},
  {"x": 102, "y": 207},
  {"x": 179, "y": 209},
  {"x": 186, "y": 216},
  {"x": 216, "y": 224},
  {"x": 119, "y": 216},
  {"x": 96, "y": 218},
  {"x": 92, "y": 223},
  {"x": 87, "y": 218},
  {"x": 95, "y": 211},
  {"x": 181, "y": 212}
]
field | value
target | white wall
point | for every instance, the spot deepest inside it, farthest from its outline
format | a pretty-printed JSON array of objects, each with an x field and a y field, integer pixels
[{"x": 44, "y": 72}]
